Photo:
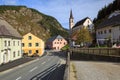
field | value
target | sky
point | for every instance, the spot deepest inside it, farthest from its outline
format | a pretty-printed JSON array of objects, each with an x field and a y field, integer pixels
[{"x": 60, "y": 9}]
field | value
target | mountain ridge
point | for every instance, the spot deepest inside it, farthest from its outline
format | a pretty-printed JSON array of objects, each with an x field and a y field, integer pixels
[{"x": 26, "y": 20}]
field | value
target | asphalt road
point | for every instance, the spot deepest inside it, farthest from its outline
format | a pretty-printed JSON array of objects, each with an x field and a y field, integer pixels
[{"x": 49, "y": 67}]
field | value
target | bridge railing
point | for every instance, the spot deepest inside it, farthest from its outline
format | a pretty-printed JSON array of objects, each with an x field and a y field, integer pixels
[
  {"x": 67, "y": 67},
  {"x": 98, "y": 51}
]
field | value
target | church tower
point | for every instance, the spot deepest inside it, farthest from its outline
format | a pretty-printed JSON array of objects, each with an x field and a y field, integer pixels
[{"x": 71, "y": 21}]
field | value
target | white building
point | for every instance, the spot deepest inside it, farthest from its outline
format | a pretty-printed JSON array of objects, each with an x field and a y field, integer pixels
[
  {"x": 10, "y": 43},
  {"x": 109, "y": 29}
]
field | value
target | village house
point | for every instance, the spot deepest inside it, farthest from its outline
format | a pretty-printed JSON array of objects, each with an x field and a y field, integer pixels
[
  {"x": 10, "y": 43},
  {"x": 32, "y": 45},
  {"x": 85, "y": 23},
  {"x": 56, "y": 42},
  {"x": 109, "y": 29}
]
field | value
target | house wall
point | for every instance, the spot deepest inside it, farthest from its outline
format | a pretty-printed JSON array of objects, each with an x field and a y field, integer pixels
[
  {"x": 59, "y": 43},
  {"x": 33, "y": 48},
  {"x": 114, "y": 35},
  {"x": 100, "y": 33},
  {"x": 9, "y": 52}
]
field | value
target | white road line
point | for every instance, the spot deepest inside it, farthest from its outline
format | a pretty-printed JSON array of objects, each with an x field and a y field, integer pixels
[
  {"x": 19, "y": 78},
  {"x": 43, "y": 62},
  {"x": 33, "y": 69}
]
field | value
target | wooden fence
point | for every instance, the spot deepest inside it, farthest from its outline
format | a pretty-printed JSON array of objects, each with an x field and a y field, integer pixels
[{"x": 98, "y": 51}]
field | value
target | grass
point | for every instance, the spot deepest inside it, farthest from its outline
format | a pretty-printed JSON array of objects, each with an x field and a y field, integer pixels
[{"x": 74, "y": 70}]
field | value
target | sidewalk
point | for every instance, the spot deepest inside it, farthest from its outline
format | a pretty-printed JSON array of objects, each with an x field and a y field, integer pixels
[{"x": 15, "y": 63}]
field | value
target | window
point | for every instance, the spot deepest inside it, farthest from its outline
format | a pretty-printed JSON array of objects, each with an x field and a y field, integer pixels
[
  {"x": 13, "y": 43},
  {"x": 18, "y": 43},
  {"x": 36, "y": 44},
  {"x": 98, "y": 32},
  {"x": 101, "y": 32},
  {"x": 60, "y": 42},
  {"x": 110, "y": 30},
  {"x": 23, "y": 44},
  {"x": 29, "y": 37},
  {"x": 58, "y": 48},
  {"x": 105, "y": 31},
  {"x": 18, "y": 53},
  {"x": 61, "y": 39},
  {"x": 37, "y": 51},
  {"x": 64, "y": 43},
  {"x": 58, "y": 39},
  {"x": 8, "y": 43},
  {"x": 57, "y": 42},
  {"x": 30, "y": 51},
  {"x": 14, "y": 54},
  {"x": 30, "y": 44},
  {"x": 5, "y": 43}
]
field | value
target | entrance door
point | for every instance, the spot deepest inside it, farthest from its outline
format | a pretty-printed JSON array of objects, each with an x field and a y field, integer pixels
[{"x": 4, "y": 58}]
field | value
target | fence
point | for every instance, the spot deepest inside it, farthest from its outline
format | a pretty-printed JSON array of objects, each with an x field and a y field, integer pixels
[
  {"x": 67, "y": 68},
  {"x": 98, "y": 51}
]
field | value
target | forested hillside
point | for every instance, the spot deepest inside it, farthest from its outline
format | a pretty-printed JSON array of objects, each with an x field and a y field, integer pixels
[{"x": 106, "y": 11}]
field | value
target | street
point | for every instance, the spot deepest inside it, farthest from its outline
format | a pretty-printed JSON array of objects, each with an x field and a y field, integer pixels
[{"x": 48, "y": 67}]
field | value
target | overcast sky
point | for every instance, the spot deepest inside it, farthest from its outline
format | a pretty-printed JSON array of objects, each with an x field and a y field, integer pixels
[{"x": 60, "y": 9}]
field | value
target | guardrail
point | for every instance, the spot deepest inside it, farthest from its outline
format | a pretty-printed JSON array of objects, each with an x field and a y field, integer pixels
[
  {"x": 67, "y": 67},
  {"x": 98, "y": 51}
]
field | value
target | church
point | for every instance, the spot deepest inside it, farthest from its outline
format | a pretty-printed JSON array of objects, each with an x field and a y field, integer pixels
[{"x": 85, "y": 23}]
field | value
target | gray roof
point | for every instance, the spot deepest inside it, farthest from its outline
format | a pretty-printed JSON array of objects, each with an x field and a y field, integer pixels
[
  {"x": 115, "y": 20},
  {"x": 7, "y": 30},
  {"x": 55, "y": 37}
]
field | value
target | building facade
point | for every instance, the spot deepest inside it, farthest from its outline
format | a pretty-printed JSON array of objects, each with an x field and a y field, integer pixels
[
  {"x": 109, "y": 29},
  {"x": 56, "y": 42},
  {"x": 32, "y": 45},
  {"x": 10, "y": 43}
]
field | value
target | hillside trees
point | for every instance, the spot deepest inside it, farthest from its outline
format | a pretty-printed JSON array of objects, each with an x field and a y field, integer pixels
[{"x": 106, "y": 11}]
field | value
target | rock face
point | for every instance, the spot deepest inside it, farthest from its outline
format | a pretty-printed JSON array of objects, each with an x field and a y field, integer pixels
[{"x": 26, "y": 20}]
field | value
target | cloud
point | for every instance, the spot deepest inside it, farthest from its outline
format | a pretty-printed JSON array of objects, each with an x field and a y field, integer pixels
[{"x": 10, "y": 2}]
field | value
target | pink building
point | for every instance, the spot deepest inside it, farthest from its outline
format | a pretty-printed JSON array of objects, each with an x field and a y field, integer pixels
[{"x": 56, "y": 42}]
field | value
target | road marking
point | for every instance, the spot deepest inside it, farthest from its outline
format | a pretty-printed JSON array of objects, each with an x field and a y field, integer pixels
[
  {"x": 43, "y": 62},
  {"x": 19, "y": 78},
  {"x": 33, "y": 69}
]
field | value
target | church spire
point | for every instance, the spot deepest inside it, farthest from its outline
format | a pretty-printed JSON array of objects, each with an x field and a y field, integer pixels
[
  {"x": 71, "y": 21},
  {"x": 71, "y": 15}
]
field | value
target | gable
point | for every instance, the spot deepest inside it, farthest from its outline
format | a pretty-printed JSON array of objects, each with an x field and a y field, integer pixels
[{"x": 26, "y": 37}]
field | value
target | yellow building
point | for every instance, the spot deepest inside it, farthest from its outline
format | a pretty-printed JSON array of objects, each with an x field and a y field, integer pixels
[{"x": 32, "y": 45}]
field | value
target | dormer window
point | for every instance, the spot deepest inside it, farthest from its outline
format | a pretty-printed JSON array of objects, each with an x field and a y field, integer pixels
[{"x": 29, "y": 37}]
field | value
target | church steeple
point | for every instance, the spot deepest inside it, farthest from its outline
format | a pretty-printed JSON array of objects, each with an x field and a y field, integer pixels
[
  {"x": 71, "y": 15},
  {"x": 71, "y": 21}
]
